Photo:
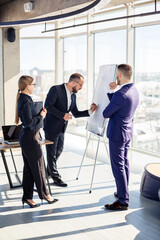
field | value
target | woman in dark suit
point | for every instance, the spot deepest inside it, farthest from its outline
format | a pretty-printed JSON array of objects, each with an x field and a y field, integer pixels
[{"x": 34, "y": 171}]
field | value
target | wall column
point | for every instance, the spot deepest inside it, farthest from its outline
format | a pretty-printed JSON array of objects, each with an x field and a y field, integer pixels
[
  {"x": 1, "y": 82},
  {"x": 90, "y": 60},
  {"x": 11, "y": 73},
  {"x": 130, "y": 36},
  {"x": 58, "y": 55},
  {"x": 90, "y": 73}
]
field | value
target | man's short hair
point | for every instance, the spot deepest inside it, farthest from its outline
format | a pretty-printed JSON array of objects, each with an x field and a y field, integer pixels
[
  {"x": 126, "y": 70},
  {"x": 75, "y": 76}
]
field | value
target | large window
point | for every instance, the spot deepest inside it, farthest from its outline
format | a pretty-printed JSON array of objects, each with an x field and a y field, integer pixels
[
  {"x": 37, "y": 59},
  {"x": 147, "y": 79},
  {"x": 110, "y": 47},
  {"x": 75, "y": 60}
]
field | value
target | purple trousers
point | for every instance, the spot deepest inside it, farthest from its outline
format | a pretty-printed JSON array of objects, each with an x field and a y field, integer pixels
[{"x": 120, "y": 168}]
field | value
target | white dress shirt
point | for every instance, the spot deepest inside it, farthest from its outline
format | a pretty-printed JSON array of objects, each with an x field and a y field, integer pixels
[{"x": 69, "y": 99}]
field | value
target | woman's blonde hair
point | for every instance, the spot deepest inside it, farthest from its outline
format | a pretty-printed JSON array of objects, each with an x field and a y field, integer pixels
[{"x": 22, "y": 84}]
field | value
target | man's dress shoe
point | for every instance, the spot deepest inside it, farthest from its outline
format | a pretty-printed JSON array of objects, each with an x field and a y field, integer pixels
[
  {"x": 117, "y": 206},
  {"x": 60, "y": 183},
  {"x": 115, "y": 194}
]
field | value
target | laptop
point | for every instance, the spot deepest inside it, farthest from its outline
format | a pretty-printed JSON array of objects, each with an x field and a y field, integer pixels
[{"x": 11, "y": 133}]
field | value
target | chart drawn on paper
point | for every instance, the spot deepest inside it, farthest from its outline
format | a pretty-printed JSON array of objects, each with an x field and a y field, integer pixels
[{"x": 96, "y": 123}]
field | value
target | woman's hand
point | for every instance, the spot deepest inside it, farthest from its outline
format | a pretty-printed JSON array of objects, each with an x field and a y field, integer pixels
[{"x": 43, "y": 112}]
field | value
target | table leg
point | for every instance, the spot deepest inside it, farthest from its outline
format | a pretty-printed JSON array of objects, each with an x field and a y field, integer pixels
[
  {"x": 7, "y": 171},
  {"x": 16, "y": 173}
]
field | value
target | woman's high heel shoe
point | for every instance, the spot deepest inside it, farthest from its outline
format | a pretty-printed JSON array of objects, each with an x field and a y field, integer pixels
[
  {"x": 50, "y": 202},
  {"x": 30, "y": 204}
]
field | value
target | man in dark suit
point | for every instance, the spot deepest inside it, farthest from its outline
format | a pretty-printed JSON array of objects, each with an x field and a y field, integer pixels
[
  {"x": 61, "y": 99},
  {"x": 120, "y": 110}
]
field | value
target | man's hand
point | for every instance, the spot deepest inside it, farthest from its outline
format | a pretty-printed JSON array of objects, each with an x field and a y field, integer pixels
[
  {"x": 113, "y": 85},
  {"x": 67, "y": 116},
  {"x": 93, "y": 107}
]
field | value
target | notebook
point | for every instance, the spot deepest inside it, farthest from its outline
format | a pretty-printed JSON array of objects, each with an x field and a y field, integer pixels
[
  {"x": 36, "y": 108},
  {"x": 11, "y": 133}
]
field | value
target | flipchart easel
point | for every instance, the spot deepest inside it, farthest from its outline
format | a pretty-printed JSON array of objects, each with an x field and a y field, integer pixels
[{"x": 96, "y": 124}]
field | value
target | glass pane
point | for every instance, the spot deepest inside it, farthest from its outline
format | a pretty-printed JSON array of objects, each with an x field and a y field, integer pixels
[
  {"x": 74, "y": 30},
  {"x": 110, "y": 48},
  {"x": 109, "y": 15},
  {"x": 145, "y": 9},
  {"x": 147, "y": 79},
  {"x": 37, "y": 60},
  {"x": 36, "y": 31},
  {"x": 75, "y": 60}
]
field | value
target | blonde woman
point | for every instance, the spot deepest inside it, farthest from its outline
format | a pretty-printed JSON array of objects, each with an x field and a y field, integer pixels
[{"x": 34, "y": 171}]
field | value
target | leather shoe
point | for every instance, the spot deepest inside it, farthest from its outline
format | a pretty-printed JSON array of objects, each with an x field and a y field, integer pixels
[
  {"x": 117, "y": 206},
  {"x": 115, "y": 194},
  {"x": 60, "y": 183}
]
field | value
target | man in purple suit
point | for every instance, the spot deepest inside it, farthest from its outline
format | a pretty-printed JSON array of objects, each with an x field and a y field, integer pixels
[{"x": 120, "y": 110}]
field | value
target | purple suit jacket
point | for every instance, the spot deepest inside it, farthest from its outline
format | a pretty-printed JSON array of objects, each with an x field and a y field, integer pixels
[{"x": 120, "y": 110}]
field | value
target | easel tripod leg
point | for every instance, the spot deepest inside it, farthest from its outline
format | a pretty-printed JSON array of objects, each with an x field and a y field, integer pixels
[
  {"x": 94, "y": 165},
  {"x": 83, "y": 157}
]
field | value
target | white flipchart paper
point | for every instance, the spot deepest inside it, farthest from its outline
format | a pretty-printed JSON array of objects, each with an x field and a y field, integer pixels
[{"x": 96, "y": 123}]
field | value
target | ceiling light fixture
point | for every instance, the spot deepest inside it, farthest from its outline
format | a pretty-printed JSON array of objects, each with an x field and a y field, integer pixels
[{"x": 28, "y": 6}]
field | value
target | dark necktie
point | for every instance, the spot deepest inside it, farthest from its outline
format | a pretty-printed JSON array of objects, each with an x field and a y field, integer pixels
[{"x": 72, "y": 100}]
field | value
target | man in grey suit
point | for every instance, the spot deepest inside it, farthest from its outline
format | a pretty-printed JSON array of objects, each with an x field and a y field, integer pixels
[{"x": 60, "y": 101}]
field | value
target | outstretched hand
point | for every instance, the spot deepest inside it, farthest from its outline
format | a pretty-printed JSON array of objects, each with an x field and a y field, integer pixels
[{"x": 93, "y": 107}]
